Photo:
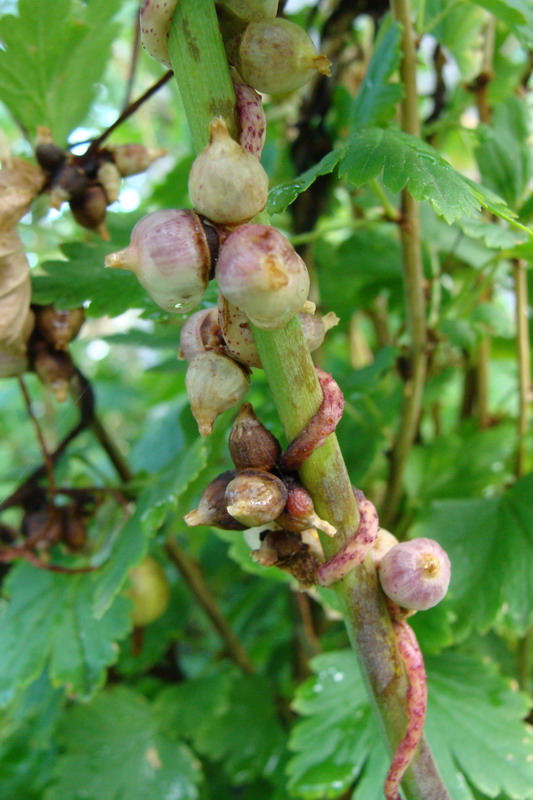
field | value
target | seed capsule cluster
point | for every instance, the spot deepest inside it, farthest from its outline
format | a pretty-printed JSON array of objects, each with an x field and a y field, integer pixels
[
  {"x": 90, "y": 182},
  {"x": 257, "y": 493},
  {"x": 174, "y": 253},
  {"x": 271, "y": 54}
]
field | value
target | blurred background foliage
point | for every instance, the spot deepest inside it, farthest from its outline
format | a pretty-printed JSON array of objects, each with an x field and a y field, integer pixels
[{"x": 94, "y": 708}]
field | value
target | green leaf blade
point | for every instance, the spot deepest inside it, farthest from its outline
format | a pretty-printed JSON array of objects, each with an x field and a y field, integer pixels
[
  {"x": 48, "y": 619},
  {"x": 117, "y": 747}
]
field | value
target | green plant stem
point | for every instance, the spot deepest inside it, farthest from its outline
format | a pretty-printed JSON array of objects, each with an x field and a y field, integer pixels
[
  {"x": 193, "y": 578},
  {"x": 297, "y": 395},
  {"x": 480, "y": 88},
  {"x": 524, "y": 364},
  {"x": 48, "y": 464},
  {"x": 413, "y": 284},
  {"x": 114, "y": 454}
]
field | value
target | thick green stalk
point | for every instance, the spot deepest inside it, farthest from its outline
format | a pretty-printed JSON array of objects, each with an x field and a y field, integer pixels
[{"x": 292, "y": 379}]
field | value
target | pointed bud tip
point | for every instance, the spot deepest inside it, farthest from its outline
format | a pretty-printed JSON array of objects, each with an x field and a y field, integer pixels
[
  {"x": 119, "y": 260},
  {"x": 194, "y": 518}
]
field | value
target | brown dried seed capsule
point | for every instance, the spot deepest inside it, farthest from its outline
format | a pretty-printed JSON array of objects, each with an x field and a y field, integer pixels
[
  {"x": 288, "y": 551},
  {"x": 57, "y": 326},
  {"x": 48, "y": 154},
  {"x": 255, "y": 498},
  {"x": 69, "y": 183},
  {"x": 89, "y": 210},
  {"x": 212, "y": 506},
  {"x": 251, "y": 445},
  {"x": 54, "y": 367}
]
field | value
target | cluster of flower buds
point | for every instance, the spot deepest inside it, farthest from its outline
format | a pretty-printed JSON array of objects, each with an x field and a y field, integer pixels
[
  {"x": 89, "y": 182},
  {"x": 257, "y": 494},
  {"x": 174, "y": 253},
  {"x": 271, "y": 54}
]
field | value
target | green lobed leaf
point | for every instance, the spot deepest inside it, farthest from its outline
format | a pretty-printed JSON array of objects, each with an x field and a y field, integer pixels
[
  {"x": 48, "y": 619},
  {"x": 25, "y": 768},
  {"x": 365, "y": 264},
  {"x": 504, "y": 152},
  {"x": 83, "y": 280},
  {"x": 246, "y": 735},
  {"x": 490, "y": 544},
  {"x": 117, "y": 747},
  {"x": 229, "y": 718},
  {"x": 280, "y": 197},
  {"x": 457, "y": 26},
  {"x": 154, "y": 504},
  {"x": 129, "y": 547},
  {"x": 493, "y": 235},
  {"x": 408, "y": 162},
  {"x": 517, "y": 14},
  {"x": 377, "y": 99},
  {"x": 161, "y": 498},
  {"x": 183, "y": 707},
  {"x": 47, "y": 57},
  {"x": 475, "y": 725},
  {"x": 474, "y": 717},
  {"x": 438, "y": 471}
]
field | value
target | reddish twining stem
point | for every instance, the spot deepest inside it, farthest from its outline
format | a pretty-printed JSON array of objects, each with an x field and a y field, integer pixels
[
  {"x": 416, "y": 702},
  {"x": 319, "y": 427},
  {"x": 357, "y": 548}
]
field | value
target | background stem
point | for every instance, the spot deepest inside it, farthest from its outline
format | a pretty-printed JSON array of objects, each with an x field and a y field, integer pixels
[
  {"x": 524, "y": 364},
  {"x": 413, "y": 285},
  {"x": 196, "y": 56},
  {"x": 192, "y": 576}
]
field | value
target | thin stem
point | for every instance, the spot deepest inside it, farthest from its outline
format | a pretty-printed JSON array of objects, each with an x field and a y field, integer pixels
[
  {"x": 48, "y": 463},
  {"x": 131, "y": 109},
  {"x": 524, "y": 657},
  {"x": 306, "y": 618},
  {"x": 134, "y": 60},
  {"x": 413, "y": 284},
  {"x": 199, "y": 61},
  {"x": 192, "y": 576},
  {"x": 115, "y": 456},
  {"x": 391, "y": 212},
  {"x": 524, "y": 364},
  {"x": 480, "y": 88}
]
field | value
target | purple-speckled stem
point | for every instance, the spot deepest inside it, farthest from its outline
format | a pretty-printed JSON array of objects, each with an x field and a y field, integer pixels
[
  {"x": 357, "y": 548},
  {"x": 319, "y": 427},
  {"x": 416, "y": 704}
]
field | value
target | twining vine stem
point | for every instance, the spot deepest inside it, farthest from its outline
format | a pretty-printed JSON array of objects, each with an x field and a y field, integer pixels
[
  {"x": 413, "y": 283},
  {"x": 200, "y": 67}
]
